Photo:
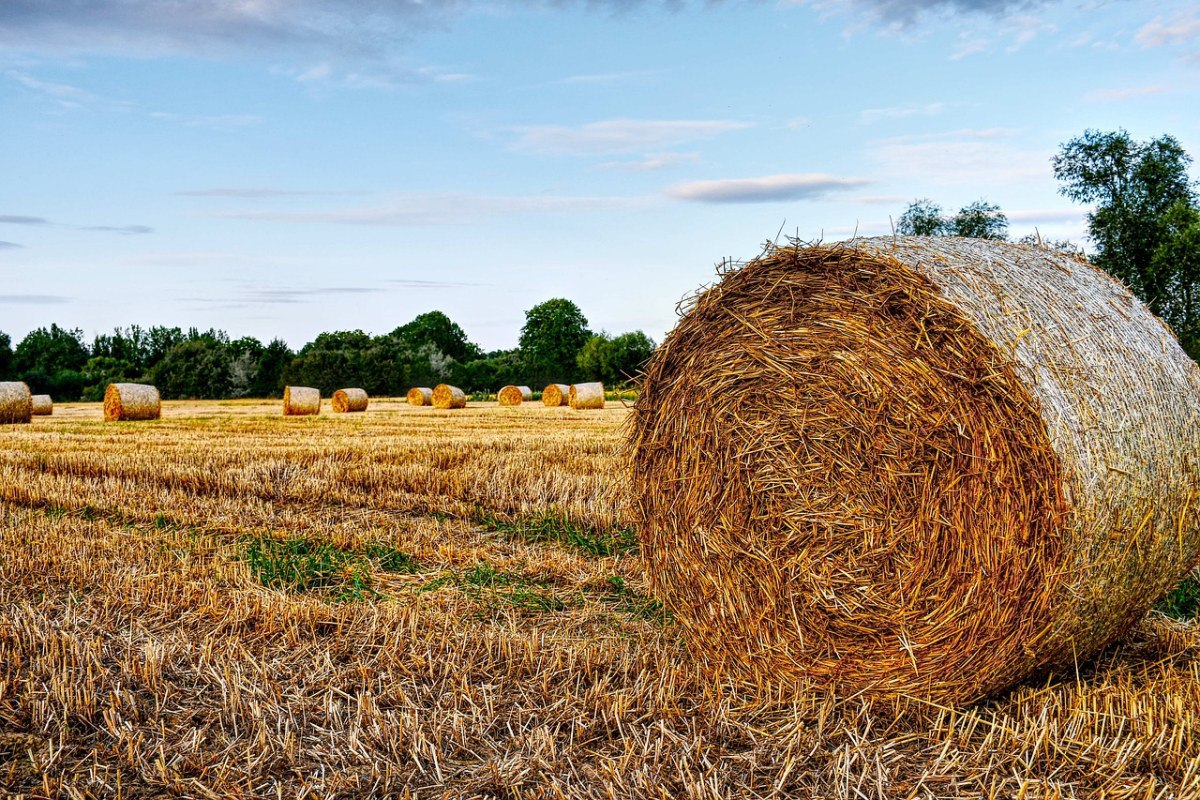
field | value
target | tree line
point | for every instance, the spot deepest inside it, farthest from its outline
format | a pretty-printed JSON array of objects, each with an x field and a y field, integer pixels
[
  {"x": 556, "y": 346},
  {"x": 1144, "y": 225}
]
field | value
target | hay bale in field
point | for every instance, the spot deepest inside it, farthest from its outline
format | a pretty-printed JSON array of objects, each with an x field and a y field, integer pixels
[
  {"x": 420, "y": 396},
  {"x": 447, "y": 396},
  {"x": 16, "y": 403},
  {"x": 43, "y": 405},
  {"x": 909, "y": 466},
  {"x": 556, "y": 394},
  {"x": 514, "y": 395},
  {"x": 126, "y": 402},
  {"x": 301, "y": 401},
  {"x": 586, "y": 395},
  {"x": 349, "y": 400}
]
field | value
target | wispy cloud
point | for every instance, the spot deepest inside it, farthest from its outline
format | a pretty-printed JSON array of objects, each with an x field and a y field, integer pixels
[
  {"x": 287, "y": 295},
  {"x": 901, "y": 14},
  {"x": 604, "y": 78},
  {"x": 267, "y": 192},
  {"x": 33, "y": 299},
  {"x": 872, "y": 115},
  {"x": 216, "y": 122},
  {"x": 987, "y": 157},
  {"x": 17, "y": 219},
  {"x": 651, "y": 162},
  {"x": 409, "y": 283},
  {"x": 124, "y": 230},
  {"x": 1122, "y": 94},
  {"x": 10, "y": 246},
  {"x": 1183, "y": 29},
  {"x": 615, "y": 136},
  {"x": 765, "y": 189},
  {"x": 438, "y": 209}
]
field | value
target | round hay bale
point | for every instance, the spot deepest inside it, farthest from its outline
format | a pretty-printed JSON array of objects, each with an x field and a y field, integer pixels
[
  {"x": 301, "y": 401},
  {"x": 127, "y": 402},
  {"x": 16, "y": 403},
  {"x": 349, "y": 400},
  {"x": 43, "y": 405},
  {"x": 556, "y": 394},
  {"x": 514, "y": 395},
  {"x": 447, "y": 396},
  {"x": 914, "y": 467},
  {"x": 420, "y": 396},
  {"x": 586, "y": 395}
]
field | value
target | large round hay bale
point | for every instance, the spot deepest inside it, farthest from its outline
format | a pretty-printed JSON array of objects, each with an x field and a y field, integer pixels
[
  {"x": 420, "y": 396},
  {"x": 43, "y": 405},
  {"x": 301, "y": 401},
  {"x": 16, "y": 403},
  {"x": 915, "y": 467},
  {"x": 586, "y": 395},
  {"x": 126, "y": 402},
  {"x": 447, "y": 396},
  {"x": 556, "y": 394},
  {"x": 514, "y": 395},
  {"x": 349, "y": 400}
]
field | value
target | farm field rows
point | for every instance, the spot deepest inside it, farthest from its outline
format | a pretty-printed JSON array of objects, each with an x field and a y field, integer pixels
[{"x": 411, "y": 602}]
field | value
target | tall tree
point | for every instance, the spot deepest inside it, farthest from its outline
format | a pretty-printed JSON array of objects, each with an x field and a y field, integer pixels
[
  {"x": 1140, "y": 221},
  {"x": 50, "y": 360},
  {"x": 922, "y": 218},
  {"x": 614, "y": 360},
  {"x": 6, "y": 357},
  {"x": 553, "y": 334},
  {"x": 435, "y": 328},
  {"x": 980, "y": 220}
]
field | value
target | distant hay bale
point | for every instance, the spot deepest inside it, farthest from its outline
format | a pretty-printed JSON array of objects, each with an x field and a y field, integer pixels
[
  {"x": 301, "y": 401},
  {"x": 914, "y": 467},
  {"x": 128, "y": 402},
  {"x": 447, "y": 396},
  {"x": 556, "y": 394},
  {"x": 349, "y": 400},
  {"x": 586, "y": 395},
  {"x": 420, "y": 396},
  {"x": 43, "y": 405},
  {"x": 514, "y": 395},
  {"x": 16, "y": 403}
]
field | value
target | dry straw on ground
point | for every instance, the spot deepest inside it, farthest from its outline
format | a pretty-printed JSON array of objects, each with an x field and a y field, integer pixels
[
  {"x": 301, "y": 401},
  {"x": 349, "y": 400},
  {"x": 420, "y": 396},
  {"x": 16, "y": 403},
  {"x": 556, "y": 394},
  {"x": 514, "y": 395},
  {"x": 43, "y": 405},
  {"x": 447, "y": 396},
  {"x": 928, "y": 467},
  {"x": 587, "y": 395},
  {"x": 125, "y": 402}
]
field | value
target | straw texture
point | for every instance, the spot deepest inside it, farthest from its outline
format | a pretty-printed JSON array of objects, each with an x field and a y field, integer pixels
[
  {"x": 43, "y": 405},
  {"x": 556, "y": 394},
  {"x": 349, "y": 400},
  {"x": 420, "y": 396},
  {"x": 301, "y": 401},
  {"x": 16, "y": 403},
  {"x": 514, "y": 395},
  {"x": 586, "y": 395},
  {"x": 905, "y": 466},
  {"x": 126, "y": 402},
  {"x": 447, "y": 396}
]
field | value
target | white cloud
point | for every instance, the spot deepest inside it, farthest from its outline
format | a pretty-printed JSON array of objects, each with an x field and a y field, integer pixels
[
  {"x": 979, "y": 158},
  {"x": 652, "y": 161},
  {"x": 618, "y": 135},
  {"x": 765, "y": 189},
  {"x": 1121, "y": 94},
  {"x": 1160, "y": 32}
]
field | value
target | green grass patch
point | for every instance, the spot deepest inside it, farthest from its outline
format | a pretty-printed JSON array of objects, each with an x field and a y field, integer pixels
[
  {"x": 1183, "y": 602},
  {"x": 492, "y": 588},
  {"x": 554, "y": 526},
  {"x": 635, "y": 605},
  {"x": 390, "y": 559},
  {"x": 308, "y": 565}
]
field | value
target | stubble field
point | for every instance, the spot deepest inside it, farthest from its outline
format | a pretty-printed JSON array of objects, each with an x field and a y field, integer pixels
[{"x": 417, "y": 603}]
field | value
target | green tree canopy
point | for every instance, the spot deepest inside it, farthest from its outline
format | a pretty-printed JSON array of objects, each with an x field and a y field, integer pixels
[
  {"x": 553, "y": 334},
  {"x": 198, "y": 368},
  {"x": 614, "y": 360},
  {"x": 435, "y": 328},
  {"x": 6, "y": 357},
  {"x": 50, "y": 361},
  {"x": 978, "y": 220},
  {"x": 922, "y": 218}
]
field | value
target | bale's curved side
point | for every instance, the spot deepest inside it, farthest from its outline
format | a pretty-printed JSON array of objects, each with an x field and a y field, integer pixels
[
  {"x": 556, "y": 394},
  {"x": 301, "y": 401},
  {"x": 514, "y": 395},
  {"x": 350, "y": 401},
  {"x": 447, "y": 396},
  {"x": 43, "y": 405},
  {"x": 586, "y": 395},
  {"x": 420, "y": 396},
  {"x": 16, "y": 403},
  {"x": 927, "y": 467},
  {"x": 131, "y": 402}
]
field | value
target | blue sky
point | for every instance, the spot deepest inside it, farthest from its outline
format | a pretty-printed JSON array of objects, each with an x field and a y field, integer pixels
[{"x": 282, "y": 168}]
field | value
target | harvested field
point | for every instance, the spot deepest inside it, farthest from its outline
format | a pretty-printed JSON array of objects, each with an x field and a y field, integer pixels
[{"x": 228, "y": 603}]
